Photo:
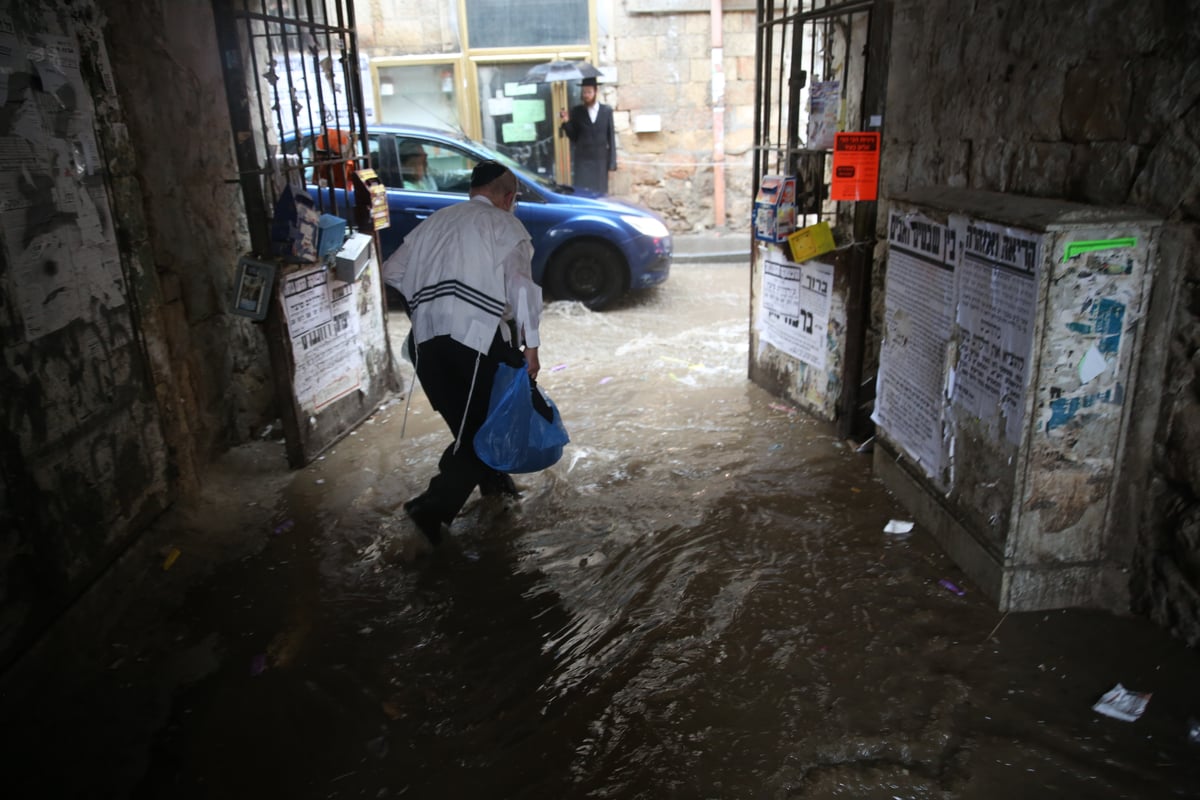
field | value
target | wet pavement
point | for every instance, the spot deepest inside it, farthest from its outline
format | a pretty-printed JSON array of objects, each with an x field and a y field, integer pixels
[{"x": 698, "y": 601}]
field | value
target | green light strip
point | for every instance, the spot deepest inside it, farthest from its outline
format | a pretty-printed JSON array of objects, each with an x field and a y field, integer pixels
[{"x": 1079, "y": 248}]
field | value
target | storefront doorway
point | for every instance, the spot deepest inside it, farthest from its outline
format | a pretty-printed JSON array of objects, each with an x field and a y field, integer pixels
[{"x": 518, "y": 119}]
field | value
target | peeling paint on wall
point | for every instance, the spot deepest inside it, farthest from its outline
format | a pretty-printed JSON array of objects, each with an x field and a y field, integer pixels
[
  {"x": 57, "y": 230},
  {"x": 83, "y": 462}
]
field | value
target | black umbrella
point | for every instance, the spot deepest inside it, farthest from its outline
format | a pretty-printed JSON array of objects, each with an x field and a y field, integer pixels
[{"x": 561, "y": 71}]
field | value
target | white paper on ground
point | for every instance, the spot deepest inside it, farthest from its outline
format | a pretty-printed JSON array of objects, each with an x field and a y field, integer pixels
[{"x": 1120, "y": 703}]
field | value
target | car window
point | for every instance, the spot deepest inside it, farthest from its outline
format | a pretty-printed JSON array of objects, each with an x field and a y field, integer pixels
[
  {"x": 384, "y": 159},
  {"x": 450, "y": 167}
]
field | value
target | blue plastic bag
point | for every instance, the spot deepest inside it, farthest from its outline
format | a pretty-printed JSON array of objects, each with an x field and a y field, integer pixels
[{"x": 515, "y": 437}]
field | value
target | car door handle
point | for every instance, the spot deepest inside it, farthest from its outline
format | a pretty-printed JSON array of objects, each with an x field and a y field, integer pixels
[{"x": 419, "y": 212}]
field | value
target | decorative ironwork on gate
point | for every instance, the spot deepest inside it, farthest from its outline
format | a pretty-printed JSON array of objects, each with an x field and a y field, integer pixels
[{"x": 293, "y": 76}]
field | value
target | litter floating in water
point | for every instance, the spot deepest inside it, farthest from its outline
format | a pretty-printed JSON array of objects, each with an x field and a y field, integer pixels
[
  {"x": 950, "y": 587},
  {"x": 1120, "y": 703},
  {"x": 605, "y": 380},
  {"x": 171, "y": 558},
  {"x": 898, "y": 527},
  {"x": 393, "y": 709},
  {"x": 258, "y": 664},
  {"x": 557, "y": 367},
  {"x": 283, "y": 527},
  {"x": 783, "y": 408}
]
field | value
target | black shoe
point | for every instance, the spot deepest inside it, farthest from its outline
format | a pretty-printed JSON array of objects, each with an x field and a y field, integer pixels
[
  {"x": 498, "y": 483},
  {"x": 426, "y": 521}
]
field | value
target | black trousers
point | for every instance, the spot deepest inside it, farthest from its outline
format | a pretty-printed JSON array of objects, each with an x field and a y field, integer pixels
[{"x": 445, "y": 368}]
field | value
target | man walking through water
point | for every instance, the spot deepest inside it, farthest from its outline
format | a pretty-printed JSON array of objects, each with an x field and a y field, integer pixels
[
  {"x": 589, "y": 126},
  {"x": 465, "y": 274}
]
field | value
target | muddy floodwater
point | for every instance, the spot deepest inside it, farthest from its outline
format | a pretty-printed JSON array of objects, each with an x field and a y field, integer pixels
[{"x": 698, "y": 601}]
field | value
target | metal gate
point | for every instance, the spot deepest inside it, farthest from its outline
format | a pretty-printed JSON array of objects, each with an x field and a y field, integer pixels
[
  {"x": 821, "y": 67},
  {"x": 293, "y": 81},
  {"x": 291, "y": 68}
]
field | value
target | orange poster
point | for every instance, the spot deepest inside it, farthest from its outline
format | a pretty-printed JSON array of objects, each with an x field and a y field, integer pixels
[{"x": 855, "y": 167}]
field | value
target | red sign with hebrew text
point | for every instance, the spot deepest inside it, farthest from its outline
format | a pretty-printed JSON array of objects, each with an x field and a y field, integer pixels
[{"x": 855, "y": 166}]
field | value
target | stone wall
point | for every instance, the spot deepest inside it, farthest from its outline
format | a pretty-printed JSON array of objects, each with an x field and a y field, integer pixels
[
  {"x": 172, "y": 94},
  {"x": 1097, "y": 102},
  {"x": 414, "y": 27},
  {"x": 664, "y": 65},
  {"x": 122, "y": 373}
]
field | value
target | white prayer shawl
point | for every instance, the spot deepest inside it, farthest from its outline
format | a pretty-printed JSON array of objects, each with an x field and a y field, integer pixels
[{"x": 450, "y": 269}]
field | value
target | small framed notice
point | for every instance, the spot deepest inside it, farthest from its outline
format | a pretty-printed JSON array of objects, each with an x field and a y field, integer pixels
[{"x": 252, "y": 292}]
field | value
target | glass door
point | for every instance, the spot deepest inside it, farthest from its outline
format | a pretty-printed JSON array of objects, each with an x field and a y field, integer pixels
[{"x": 518, "y": 119}]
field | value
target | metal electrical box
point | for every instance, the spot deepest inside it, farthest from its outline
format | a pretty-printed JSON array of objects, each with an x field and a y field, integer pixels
[
  {"x": 353, "y": 258},
  {"x": 1012, "y": 331}
]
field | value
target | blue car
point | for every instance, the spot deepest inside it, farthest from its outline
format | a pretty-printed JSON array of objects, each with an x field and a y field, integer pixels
[{"x": 586, "y": 247}]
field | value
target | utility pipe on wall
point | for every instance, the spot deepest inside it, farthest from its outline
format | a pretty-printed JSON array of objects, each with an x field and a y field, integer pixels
[{"x": 718, "y": 124}]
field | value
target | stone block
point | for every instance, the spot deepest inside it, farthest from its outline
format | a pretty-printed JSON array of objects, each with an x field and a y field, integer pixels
[
  {"x": 739, "y": 43},
  {"x": 1041, "y": 169},
  {"x": 936, "y": 163},
  {"x": 637, "y": 48},
  {"x": 740, "y": 93},
  {"x": 1096, "y": 102},
  {"x": 894, "y": 171},
  {"x": 738, "y": 22},
  {"x": 738, "y": 140},
  {"x": 991, "y": 164},
  {"x": 651, "y": 98},
  {"x": 698, "y": 24},
  {"x": 1169, "y": 183},
  {"x": 1034, "y": 101},
  {"x": 744, "y": 70},
  {"x": 679, "y": 167},
  {"x": 641, "y": 172},
  {"x": 1183, "y": 441},
  {"x": 659, "y": 200},
  {"x": 738, "y": 117},
  {"x": 1163, "y": 90},
  {"x": 683, "y": 48},
  {"x": 1101, "y": 173},
  {"x": 695, "y": 139},
  {"x": 696, "y": 95}
]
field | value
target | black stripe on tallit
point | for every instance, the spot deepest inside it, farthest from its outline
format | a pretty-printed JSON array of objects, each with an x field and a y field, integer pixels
[{"x": 456, "y": 288}]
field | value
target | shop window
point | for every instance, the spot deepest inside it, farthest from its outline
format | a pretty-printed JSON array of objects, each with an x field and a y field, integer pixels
[
  {"x": 526, "y": 23},
  {"x": 419, "y": 94}
]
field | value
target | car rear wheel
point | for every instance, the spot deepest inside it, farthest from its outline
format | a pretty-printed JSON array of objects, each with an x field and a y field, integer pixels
[{"x": 591, "y": 273}]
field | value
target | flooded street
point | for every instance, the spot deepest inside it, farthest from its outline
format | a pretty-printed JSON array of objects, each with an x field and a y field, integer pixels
[{"x": 698, "y": 601}]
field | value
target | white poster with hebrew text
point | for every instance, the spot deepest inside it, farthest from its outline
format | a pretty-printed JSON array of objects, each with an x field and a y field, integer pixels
[
  {"x": 997, "y": 301},
  {"x": 795, "y": 308}
]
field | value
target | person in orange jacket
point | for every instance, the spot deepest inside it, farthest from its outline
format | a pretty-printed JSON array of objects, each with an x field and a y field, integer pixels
[{"x": 331, "y": 145}]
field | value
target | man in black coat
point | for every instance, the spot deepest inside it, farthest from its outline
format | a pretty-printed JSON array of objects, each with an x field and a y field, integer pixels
[{"x": 593, "y": 140}]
